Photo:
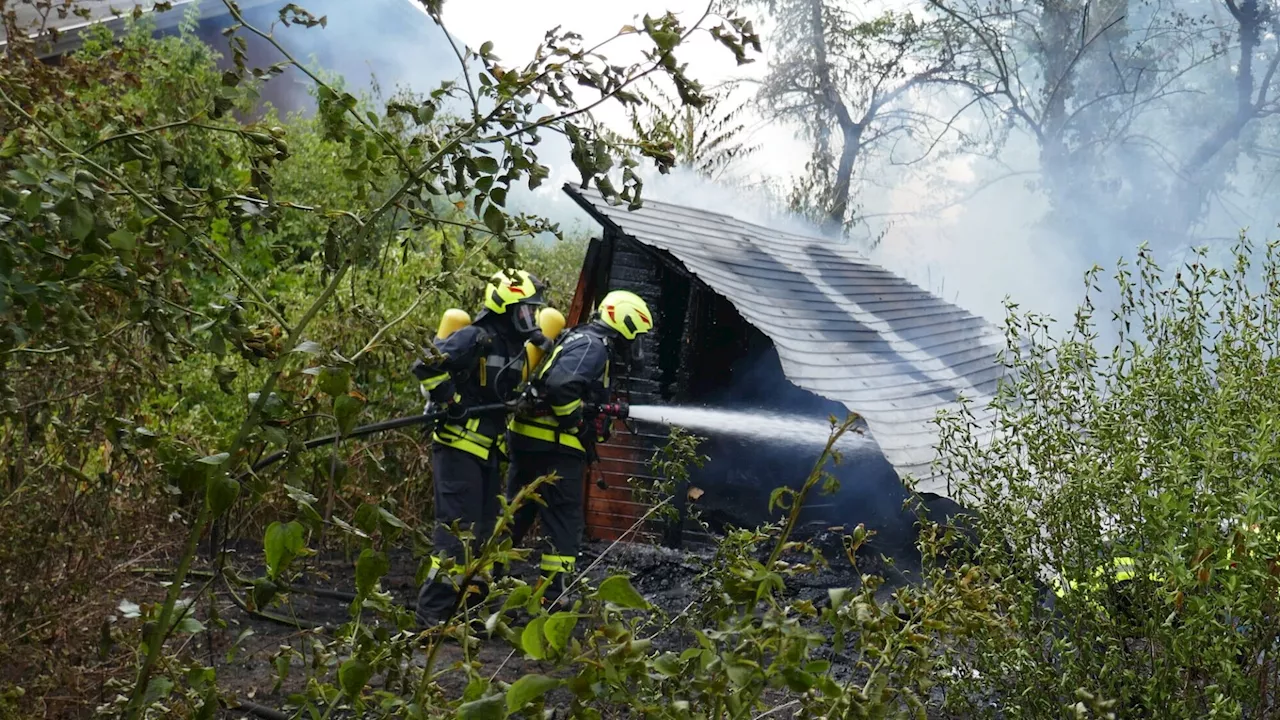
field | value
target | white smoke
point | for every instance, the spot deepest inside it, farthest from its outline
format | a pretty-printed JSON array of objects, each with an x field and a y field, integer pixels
[{"x": 987, "y": 245}]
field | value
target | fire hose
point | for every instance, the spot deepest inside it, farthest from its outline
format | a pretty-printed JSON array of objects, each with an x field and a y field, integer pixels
[{"x": 614, "y": 410}]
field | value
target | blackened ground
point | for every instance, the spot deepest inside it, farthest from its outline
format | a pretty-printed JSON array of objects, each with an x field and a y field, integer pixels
[{"x": 667, "y": 578}]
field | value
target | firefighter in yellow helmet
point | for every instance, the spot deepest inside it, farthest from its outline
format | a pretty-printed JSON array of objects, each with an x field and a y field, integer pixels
[
  {"x": 479, "y": 364},
  {"x": 555, "y": 433}
]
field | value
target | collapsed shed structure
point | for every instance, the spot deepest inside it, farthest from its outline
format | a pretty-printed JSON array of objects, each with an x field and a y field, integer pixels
[{"x": 760, "y": 318}]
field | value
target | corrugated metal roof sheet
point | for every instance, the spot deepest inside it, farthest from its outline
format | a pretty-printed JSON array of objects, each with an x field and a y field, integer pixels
[{"x": 845, "y": 328}]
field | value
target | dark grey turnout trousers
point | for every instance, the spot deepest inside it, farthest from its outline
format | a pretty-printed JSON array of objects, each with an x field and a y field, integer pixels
[
  {"x": 562, "y": 518},
  {"x": 466, "y": 490}
]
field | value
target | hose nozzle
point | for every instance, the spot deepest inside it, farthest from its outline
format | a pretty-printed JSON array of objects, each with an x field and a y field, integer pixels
[{"x": 616, "y": 410}]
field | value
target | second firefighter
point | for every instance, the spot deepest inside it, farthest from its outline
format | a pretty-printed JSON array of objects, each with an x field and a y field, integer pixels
[{"x": 556, "y": 433}]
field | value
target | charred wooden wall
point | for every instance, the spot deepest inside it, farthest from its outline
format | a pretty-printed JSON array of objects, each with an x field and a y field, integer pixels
[{"x": 617, "y": 490}]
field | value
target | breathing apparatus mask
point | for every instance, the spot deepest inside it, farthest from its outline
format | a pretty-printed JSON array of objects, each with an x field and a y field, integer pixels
[
  {"x": 630, "y": 353},
  {"x": 524, "y": 318}
]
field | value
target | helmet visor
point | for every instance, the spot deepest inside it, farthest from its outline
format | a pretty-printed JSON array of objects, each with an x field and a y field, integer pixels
[{"x": 524, "y": 318}]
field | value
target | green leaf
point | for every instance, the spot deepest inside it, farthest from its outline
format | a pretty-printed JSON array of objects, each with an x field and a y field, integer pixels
[
  {"x": 300, "y": 496},
  {"x": 80, "y": 263},
  {"x": 797, "y": 679},
  {"x": 189, "y": 625},
  {"x": 495, "y": 219},
  {"x": 390, "y": 519},
  {"x": 158, "y": 689},
  {"x": 667, "y": 664},
  {"x": 740, "y": 672},
  {"x": 23, "y": 177},
  {"x": 221, "y": 494},
  {"x": 777, "y": 499},
  {"x": 346, "y": 408},
  {"x": 81, "y": 222},
  {"x": 665, "y": 39},
  {"x": 217, "y": 459},
  {"x": 619, "y": 591},
  {"x": 282, "y": 544},
  {"x": 10, "y": 146},
  {"x": 838, "y": 596},
  {"x": 264, "y": 591},
  {"x": 489, "y": 708},
  {"x": 371, "y": 566},
  {"x": 487, "y": 164},
  {"x": 518, "y": 597},
  {"x": 308, "y": 346},
  {"x": 527, "y": 689},
  {"x": 531, "y": 639},
  {"x": 333, "y": 381},
  {"x": 353, "y": 675},
  {"x": 122, "y": 240},
  {"x": 366, "y": 518},
  {"x": 559, "y": 628},
  {"x": 209, "y": 707}
]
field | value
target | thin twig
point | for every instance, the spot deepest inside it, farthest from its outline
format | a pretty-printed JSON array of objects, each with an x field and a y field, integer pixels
[
  {"x": 38, "y": 351},
  {"x": 166, "y": 126},
  {"x": 431, "y": 288}
]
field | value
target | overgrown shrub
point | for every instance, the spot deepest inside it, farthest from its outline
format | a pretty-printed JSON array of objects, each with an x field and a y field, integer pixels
[
  {"x": 1160, "y": 453},
  {"x": 182, "y": 292}
]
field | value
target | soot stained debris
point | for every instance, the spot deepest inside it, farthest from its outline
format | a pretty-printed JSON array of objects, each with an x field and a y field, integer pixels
[{"x": 672, "y": 580}]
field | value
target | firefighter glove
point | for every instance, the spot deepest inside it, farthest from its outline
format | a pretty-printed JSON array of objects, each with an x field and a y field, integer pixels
[
  {"x": 454, "y": 410},
  {"x": 603, "y": 428}
]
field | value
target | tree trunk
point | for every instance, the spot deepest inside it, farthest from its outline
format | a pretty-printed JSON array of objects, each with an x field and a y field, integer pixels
[
  {"x": 850, "y": 131},
  {"x": 1193, "y": 187}
]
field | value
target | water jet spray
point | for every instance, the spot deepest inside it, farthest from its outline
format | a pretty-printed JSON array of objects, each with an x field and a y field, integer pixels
[{"x": 761, "y": 425}]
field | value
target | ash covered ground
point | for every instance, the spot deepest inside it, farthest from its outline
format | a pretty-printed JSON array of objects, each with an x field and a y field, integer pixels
[{"x": 667, "y": 578}]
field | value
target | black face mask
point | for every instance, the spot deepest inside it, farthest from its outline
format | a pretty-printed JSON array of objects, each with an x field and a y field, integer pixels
[
  {"x": 524, "y": 318},
  {"x": 630, "y": 353}
]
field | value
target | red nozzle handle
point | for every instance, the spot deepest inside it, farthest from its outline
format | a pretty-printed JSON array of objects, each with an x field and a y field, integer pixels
[{"x": 618, "y": 410}]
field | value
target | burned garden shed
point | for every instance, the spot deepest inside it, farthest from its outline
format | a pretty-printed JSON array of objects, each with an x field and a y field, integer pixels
[{"x": 751, "y": 317}]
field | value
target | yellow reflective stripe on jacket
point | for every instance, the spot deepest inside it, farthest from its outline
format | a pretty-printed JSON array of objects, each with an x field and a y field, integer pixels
[
  {"x": 546, "y": 364},
  {"x": 558, "y": 563},
  {"x": 465, "y": 438},
  {"x": 1123, "y": 569},
  {"x": 533, "y": 428},
  {"x": 434, "y": 381},
  {"x": 567, "y": 408}
]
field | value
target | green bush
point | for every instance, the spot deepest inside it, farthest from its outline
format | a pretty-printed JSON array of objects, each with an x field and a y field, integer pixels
[
  {"x": 182, "y": 293},
  {"x": 1161, "y": 453}
]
